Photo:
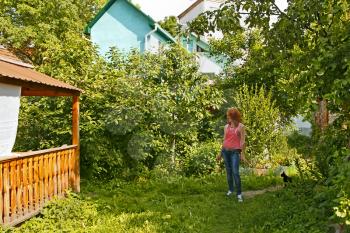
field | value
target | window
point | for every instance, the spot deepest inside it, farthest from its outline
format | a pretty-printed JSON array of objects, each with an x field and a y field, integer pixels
[{"x": 200, "y": 49}]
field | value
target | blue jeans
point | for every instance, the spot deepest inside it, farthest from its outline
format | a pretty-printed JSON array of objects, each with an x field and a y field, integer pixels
[{"x": 231, "y": 159}]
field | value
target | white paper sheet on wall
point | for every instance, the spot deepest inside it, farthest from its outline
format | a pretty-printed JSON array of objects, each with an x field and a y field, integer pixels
[{"x": 9, "y": 110}]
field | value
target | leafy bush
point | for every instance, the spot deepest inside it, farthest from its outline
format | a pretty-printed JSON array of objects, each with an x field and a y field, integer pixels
[
  {"x": 302, "y": 143},
  {"x": 135, "y": 107},
  {"x": 265, "y": 129},
  {"x": 201, "y": 160},
  {"x": 71, "y": 214}
]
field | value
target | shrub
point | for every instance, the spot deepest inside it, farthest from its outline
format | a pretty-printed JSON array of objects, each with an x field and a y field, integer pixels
[
  {"x": 66, "y": 215},
  {"x": 265, "y": 129},
  {"x": 201, "y": 160}
]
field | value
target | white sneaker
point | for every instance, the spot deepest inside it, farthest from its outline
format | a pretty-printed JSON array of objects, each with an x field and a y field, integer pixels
[
  {"x": 229, "y": 193},
  {"x": 240, "y": 198}
]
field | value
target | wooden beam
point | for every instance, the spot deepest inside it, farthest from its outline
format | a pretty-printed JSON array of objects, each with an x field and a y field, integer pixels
[
  {"x": 40, "y": 92},
  {"x": 76, "y": 141}
]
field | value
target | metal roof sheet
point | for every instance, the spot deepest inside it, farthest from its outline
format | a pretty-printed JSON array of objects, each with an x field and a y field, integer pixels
[{"x": 13, "y": 67}]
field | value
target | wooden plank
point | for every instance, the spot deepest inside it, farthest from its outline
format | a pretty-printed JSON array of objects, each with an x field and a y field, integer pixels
[
  {"x": 6, "y": 173},
  {"x": 13, "y": 197},
  {"x": 76, "y": 141},
  {"x": 1, "y": 195},
  {"x": 66, "y": 178},
  {"x": 62, "y": 171},
  {"x": 34, "y": 153},
  {"x": 71, "y": 170},
  {"x": 49, "y": 172},
  {"x": 54, "y": 168},
  {"x": 22, "y": 218},
  {"x": 19, "y": 190},
  {"x": 59, "y": 182},
  {"x": 32, "y": 92},
  {"x": 41, "y": 181},
  {"x": 25, "y": 176},
  {"x": 46, "y": 178},
  {"x": 31, "y": 184},
  {"x": 36, "y": 183}
]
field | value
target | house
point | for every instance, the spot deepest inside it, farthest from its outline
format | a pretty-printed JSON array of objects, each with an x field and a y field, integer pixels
[
  {"x": 199, "y": 45},
  {"x": 197, "y": 8},
  {"x": 122, "y": 25},
  {"x": 29, "y": 180},
  {"x": 207, "y": 63}
]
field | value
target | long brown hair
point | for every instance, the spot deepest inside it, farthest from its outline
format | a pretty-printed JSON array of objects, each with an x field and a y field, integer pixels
[{"x": 234, "y": 114}]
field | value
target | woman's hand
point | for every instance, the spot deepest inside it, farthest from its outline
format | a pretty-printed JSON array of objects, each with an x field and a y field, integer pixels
[
  {"x": 218, "y": 157},
  {"x": 243, "y": 159}
]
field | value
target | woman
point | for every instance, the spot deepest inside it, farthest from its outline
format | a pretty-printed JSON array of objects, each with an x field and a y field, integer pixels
[{"x": 233, "y": 150}]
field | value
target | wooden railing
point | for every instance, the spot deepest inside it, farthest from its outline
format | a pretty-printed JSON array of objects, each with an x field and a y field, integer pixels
[{"x": 28, "y": 180}]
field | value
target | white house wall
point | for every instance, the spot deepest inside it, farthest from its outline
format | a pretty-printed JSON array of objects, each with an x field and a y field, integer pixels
[
  {"x": 191, "y": 15},
  {"x": 206, "y": 5},
  {"x": 153, "y": 44},
  {"x": 9, "y": 110},
  {"x": 208, "y": 65}
]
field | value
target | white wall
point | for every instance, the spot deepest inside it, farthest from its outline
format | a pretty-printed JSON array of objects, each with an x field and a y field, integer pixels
[
  {"x": 208, "y": 65},
  {"x": 9, "y": 110},
  {"x": 153, "y": 44},
  {"x": 206, "y": 5},
  {"x": 200, "y": 8},
  {"x": 211, "y": 6}
]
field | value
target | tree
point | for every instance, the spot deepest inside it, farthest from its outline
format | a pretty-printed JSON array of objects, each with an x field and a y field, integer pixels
[
  {"x": 166, "y": 104},
  {"x": 300, "y": 58},
  {"x": 133, "y": 108},
  {"x": 303, "y": 58},
  {"x": 171, "y": 25}
]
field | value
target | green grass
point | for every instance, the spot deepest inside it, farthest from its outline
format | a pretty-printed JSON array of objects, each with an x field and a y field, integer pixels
[{"x": 178, "y": 204}]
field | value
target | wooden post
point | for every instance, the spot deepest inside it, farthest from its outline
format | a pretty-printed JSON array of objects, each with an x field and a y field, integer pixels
[{"x": 76, "y": 141}]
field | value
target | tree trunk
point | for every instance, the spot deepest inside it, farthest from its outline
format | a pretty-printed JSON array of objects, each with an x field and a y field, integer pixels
[{"x": 322, "y": 114}]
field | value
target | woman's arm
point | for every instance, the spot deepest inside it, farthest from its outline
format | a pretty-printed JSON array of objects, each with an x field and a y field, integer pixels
[
  {"x": 218, "y": 157},
  {"x": 243, "y": 143}
]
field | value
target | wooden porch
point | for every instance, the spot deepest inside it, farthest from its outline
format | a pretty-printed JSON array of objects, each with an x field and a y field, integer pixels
[{"x": 28, "y": 180}]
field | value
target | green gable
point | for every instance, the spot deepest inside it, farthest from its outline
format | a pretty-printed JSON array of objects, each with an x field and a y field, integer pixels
[{"x": 150, "y": 21}]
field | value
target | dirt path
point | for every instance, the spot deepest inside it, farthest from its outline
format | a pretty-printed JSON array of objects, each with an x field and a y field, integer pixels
[{"x": 250, "y": 194}]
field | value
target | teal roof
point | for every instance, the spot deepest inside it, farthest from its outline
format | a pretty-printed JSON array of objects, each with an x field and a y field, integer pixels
[{"x": 150, "y": 20}]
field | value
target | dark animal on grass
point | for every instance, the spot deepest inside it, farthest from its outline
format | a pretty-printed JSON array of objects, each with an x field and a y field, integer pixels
[{"x": 286, "y": 179}]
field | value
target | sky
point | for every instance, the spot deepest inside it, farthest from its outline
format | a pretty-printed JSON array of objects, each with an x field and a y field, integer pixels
[{"x": 158, "y": 9}]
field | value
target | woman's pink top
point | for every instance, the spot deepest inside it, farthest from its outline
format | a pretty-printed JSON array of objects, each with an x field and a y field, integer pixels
[{"x": 234, "y": 137}]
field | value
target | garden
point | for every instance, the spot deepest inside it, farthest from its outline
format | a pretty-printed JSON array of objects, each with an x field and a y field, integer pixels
[{"x": 151, "y": 125}]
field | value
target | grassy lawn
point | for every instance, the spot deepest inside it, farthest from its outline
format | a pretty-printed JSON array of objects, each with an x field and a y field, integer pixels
[{"x": 172, "y": 204}]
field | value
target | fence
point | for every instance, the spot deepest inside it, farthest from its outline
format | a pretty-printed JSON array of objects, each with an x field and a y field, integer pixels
[{"x": 28, "y": 180}]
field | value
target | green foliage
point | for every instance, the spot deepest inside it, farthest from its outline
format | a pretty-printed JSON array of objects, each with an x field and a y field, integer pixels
[
  {"x": 180, "y": 204},
  {"x": 156, "y": 108},
  {"x": 302, "y": 57},
  {"x": 201, "y": 160},
  {"x": 302, "y": 143},
  {"x": 264, "y": 127},
  {"x": 135, "y": 108},
  {"x": 329, "y": 149},
  {"x": 170, "y": 24},
  {"x": 71, "y": 214}
]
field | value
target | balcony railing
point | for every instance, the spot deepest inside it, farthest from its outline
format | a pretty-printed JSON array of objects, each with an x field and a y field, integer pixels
[{"x": 29, "y": 180}]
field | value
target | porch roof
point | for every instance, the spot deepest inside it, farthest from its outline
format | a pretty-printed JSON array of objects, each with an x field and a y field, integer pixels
[{"x": 14, "y": 71}]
